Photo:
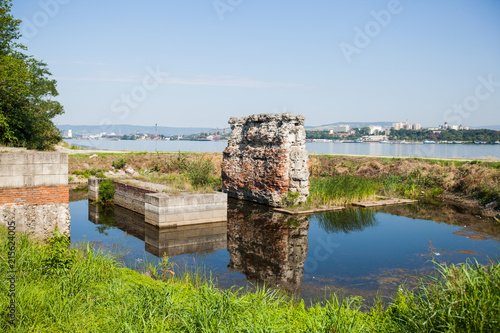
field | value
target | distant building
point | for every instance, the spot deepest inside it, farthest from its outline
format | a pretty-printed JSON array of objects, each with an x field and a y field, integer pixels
[
  {"x": 406, "y": 125},
  {"x": 339, "y": 129},
  {"x": 374, "y": 129},
  {"x": 70, "y": 133},
  {"x": 399, "y": 125}
]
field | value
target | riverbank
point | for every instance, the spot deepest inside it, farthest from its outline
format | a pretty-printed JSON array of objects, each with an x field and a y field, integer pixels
[
  {"x": 62, "y": 290},
  {"x": 471, "y": 183}
]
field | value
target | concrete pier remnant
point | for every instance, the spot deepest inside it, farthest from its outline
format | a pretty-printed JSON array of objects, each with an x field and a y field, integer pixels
[
  {"x": 266, "y": 159},
  {"x": 34, "y": 192},
  {"x": 166, "y": 210}
]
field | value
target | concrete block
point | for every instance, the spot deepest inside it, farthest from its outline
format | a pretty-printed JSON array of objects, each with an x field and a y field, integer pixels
[
  {"x": 13, "y": 158},
  {"x": 52, "y": 169},
  {"x": 94, "y": 182},
  {"x": 29, "y": 180},
  {"x": 194, "y": 216},
  {"x": 11, "y": 181},
  {"x": 49, "y": 180},
  {"x": 47, "y": 158},
  {"x": 63, "y": 158}
]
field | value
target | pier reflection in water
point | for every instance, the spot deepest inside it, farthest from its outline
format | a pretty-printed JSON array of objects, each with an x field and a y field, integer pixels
[
  {"x": 267, "y": 246},
  {"x": 175, "y": 241}
]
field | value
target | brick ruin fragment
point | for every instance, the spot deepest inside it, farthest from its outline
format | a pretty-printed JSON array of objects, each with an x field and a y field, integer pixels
[{"x": 266, "y": 158}]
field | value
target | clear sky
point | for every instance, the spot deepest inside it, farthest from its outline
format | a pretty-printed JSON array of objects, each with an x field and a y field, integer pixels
[{"x": 199, "y": 62}]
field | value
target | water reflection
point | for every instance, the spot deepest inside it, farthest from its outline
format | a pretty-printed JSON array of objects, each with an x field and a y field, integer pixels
[
  {"x": 267, "y": 246},
  {"x": 200, "y": 238},
  {"x": 346, "y": 221},
  {"x": 358, "y": 251}
]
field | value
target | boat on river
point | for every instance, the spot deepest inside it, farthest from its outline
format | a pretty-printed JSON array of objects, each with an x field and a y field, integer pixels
[{"x": 429, "y": 143}]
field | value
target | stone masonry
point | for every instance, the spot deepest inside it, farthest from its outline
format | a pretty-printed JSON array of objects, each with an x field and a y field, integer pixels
[
  {"x": 34, "y": 192},
  {"x": 266, "y": 158}
]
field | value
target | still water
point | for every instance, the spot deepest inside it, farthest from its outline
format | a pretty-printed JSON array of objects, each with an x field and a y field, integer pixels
[
  {"x": 357, "y": 251},
  {"x": 421, "y": 150}
]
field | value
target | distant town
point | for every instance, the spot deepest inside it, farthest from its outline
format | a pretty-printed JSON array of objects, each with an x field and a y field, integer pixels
[
  {"x": 404, "y": 132},
  {"x": 399, "y": 132}
]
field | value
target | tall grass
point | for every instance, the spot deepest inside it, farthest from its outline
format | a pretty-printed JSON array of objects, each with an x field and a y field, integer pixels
[
  {"x": 462, "y": 298},
  {"x": 341, "y": 190},
  {"x": 93, "y": 294}
]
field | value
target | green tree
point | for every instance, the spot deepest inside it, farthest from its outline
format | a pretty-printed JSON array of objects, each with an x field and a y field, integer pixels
[{"x": 26, "y": 92}]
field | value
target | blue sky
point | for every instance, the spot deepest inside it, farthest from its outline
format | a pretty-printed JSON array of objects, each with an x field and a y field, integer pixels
[{"x": 199, "y": 62}]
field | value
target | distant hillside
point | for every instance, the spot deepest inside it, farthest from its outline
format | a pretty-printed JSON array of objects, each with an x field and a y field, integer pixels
[
  {"x": 351, "y": 124},
  {"x": 490, "y": 127},
  {"x": 131, "y": 129}
]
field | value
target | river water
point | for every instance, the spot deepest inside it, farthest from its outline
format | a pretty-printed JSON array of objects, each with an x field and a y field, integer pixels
[
  {"x": 468, "y": 151},
  {"x": 356, "y": 252}
]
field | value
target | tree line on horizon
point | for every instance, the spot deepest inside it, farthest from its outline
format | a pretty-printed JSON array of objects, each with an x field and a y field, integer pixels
[
  {"x": 26, "y": 91},
  {"x": 474, "y": 135}
]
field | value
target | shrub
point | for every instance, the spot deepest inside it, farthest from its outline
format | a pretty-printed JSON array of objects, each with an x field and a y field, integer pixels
[
  {"x": 99, "y": 173},
  {"x": 106, "y": 190},
  {"x": 200, "y": 172},
  {"x": 120, "y": 164},
  {"x": 290, "y": 199},
  {"x": 59, "y": 256}
]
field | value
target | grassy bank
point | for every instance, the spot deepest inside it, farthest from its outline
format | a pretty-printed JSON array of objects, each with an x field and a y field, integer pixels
[
  {"x": 61, "y": 290},
  {"x": 414, "y": 177},
  {"x": 334, "y": 179},
  {"x": 190, "y": 172}
]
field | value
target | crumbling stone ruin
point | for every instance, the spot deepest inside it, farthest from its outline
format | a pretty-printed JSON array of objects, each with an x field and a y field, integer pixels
[{"x": 266, "y": 159}]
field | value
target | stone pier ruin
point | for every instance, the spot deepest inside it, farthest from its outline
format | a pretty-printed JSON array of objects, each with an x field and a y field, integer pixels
[{"x": 266, "y": 159}]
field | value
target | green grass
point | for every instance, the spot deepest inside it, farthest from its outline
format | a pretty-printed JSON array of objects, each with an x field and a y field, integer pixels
[
  {"x": 89, "y": 292},
  {"x": 341, "y": 190},
  {"x": 99, "y": 173}
]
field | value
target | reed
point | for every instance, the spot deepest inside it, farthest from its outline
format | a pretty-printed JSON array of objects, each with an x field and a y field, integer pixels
[{"x": 341, "y": 190}]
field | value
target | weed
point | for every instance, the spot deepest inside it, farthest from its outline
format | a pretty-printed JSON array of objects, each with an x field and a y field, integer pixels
[
  {"x": 120, "y": 164},
  {"x": 98, "y": 173},
  {"x": 341, "y": 190},
  {"x": 290, "y": 199},
  {"x": 59, "y": 256},
  {"x": 200, "y": 172},
  {"x": 106, "y": 191}
]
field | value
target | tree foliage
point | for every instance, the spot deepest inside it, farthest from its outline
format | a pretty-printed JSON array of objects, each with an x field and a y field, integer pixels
[
  {"x": 475, "y": 135},
  {"x": 26, "y": 91}
]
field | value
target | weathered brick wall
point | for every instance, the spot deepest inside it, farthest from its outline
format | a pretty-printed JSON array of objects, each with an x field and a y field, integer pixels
[
  {"x": 266, "y": 158},
  {"x": 131, "y": 190},
  {"x": 34, "y": 191},
  {"x": 42, "y": 195},
  {"x": 131, "y": 197}
]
